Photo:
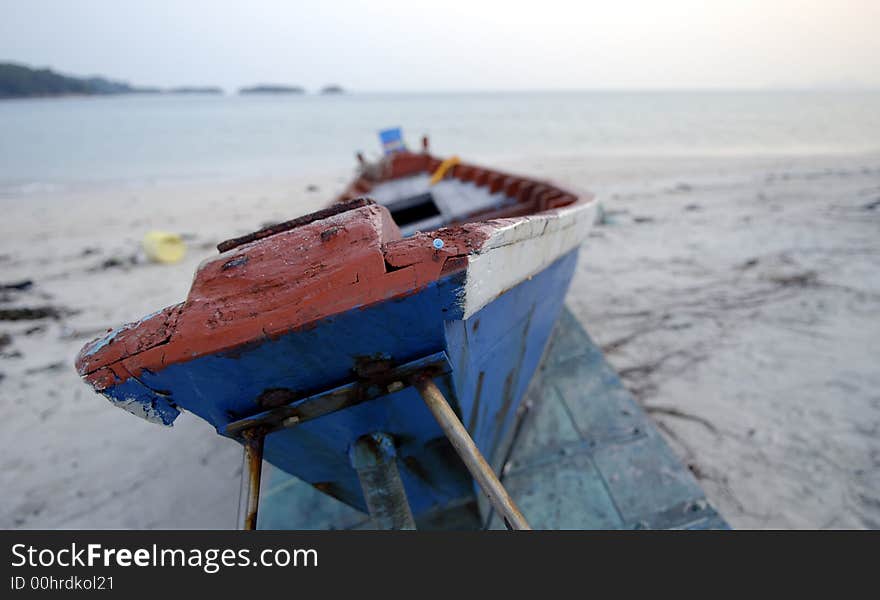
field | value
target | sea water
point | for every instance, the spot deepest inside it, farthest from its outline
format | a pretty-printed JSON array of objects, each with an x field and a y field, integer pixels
[{"x": 46, "y": 143}]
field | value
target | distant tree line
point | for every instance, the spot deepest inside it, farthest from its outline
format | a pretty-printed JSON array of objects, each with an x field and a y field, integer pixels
[
  {"x": 271, "y": 88},
  {"x": 19, "y": 81},
  {"x": 275, "y": 88}
]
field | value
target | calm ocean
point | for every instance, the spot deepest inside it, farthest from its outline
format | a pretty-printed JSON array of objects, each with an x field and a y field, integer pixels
[{"x": 51, "y": 142}]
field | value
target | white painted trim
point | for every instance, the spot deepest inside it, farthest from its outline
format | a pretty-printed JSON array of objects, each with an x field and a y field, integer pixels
[{"x": 522, "y": 249}]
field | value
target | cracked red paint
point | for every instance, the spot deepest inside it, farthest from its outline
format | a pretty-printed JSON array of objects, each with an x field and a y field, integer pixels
[
  {"x": 291, "y": 275},
  {"x": 248, "y": 293}
]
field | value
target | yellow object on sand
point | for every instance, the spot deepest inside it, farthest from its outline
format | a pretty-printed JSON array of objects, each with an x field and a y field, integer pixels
[
  {"x": 444, "y": 166},
  {"x": 164, "y": 247}
]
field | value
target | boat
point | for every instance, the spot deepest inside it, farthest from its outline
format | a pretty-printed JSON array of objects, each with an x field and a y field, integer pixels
[{"x": 311, "y": 341}]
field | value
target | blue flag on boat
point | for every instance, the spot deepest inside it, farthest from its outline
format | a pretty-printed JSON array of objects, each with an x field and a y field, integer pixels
[{"x": 392, "y": 140}]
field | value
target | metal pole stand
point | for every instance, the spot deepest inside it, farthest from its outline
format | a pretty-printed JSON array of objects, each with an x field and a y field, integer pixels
[
  {"x": 252, "y": 470},
  {"x": 374, "y": 458},
  {"x": 469, "y": 453}
]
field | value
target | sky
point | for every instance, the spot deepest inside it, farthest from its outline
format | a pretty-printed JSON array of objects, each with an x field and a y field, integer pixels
[{"x": 453, "y": 45}]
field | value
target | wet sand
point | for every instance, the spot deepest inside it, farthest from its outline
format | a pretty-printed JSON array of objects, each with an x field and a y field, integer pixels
[{"x": 738, "y": 297}]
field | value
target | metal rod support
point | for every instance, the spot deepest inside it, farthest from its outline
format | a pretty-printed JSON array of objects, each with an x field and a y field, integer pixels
[
  {"x": 252, "y": 472},
  {"x": 374, "y": 457},
  {"x": 300, "y": 410},
  {"x": 470, "y": 454}
]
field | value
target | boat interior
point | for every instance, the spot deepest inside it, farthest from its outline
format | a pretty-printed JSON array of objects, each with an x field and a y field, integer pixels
[{"x": 423, "y": 192}]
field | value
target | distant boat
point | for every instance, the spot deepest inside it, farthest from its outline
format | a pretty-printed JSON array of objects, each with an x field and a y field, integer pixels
[
  {"x": 312, "y": 329},
  {"x": 332, "y": 89}
]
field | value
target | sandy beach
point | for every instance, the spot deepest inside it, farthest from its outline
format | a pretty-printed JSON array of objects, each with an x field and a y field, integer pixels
[{"x": 738, "y": 298}]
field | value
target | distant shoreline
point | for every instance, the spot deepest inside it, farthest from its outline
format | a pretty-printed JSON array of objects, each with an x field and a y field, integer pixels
[
  {"x": 163, "y": 94},
  {"x": 123, "y": 94},
  {"x": 20, "y": 81}
]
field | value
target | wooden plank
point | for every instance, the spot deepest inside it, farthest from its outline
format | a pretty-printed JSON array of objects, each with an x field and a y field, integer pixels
[{"x": 584, "y": 430}]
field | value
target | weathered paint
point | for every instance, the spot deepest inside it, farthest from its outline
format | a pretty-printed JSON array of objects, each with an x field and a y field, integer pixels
[
  {"x": 295, "y": 410},
  {"x": 223, "y": 388},
  {"x": 265, "y": 232},
  {"x": 352, "y": 259},
  {"x": 496, "y": 350},
  {"x": 584, "y": 456},
  {"x": 520, "y": 248},
  {"x": 298, "y": 310}
]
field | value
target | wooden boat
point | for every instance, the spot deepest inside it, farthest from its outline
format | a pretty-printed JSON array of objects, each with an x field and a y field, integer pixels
[{"x": 311, "y": 332}]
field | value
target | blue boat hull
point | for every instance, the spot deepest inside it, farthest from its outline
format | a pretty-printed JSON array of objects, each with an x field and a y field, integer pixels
[{"x": 493, "y": 355}]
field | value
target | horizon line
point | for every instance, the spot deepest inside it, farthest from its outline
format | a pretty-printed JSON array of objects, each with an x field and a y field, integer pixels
[{"x": 316, "y": 90}]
